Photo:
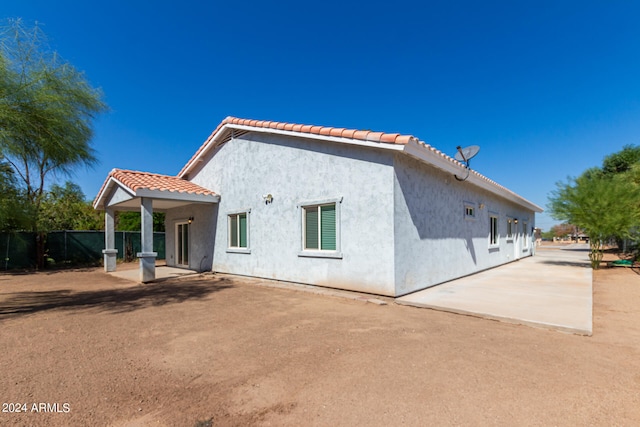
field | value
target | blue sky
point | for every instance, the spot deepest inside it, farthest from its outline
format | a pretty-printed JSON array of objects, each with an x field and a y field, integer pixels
[{"x": 545, "y": 88}]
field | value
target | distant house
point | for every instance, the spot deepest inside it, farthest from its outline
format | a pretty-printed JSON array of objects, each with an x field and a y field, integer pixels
[{"x": 368, "y": 211}]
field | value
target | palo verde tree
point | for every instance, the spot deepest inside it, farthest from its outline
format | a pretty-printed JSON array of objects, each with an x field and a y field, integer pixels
[
  {"x": 604, "y": 206},
  {"x": 621, "y": 161},
  {"x": 47, "y": 108}
]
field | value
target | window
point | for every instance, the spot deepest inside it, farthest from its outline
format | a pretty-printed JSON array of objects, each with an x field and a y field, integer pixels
[
  {"x": 238, "y": 226},
  {"x": 321, "y": 229},
  {"x": 510, "y": 228},
  {"x": 493, "y": 230},
  {"x": 469, "y": 210},
  {"x": 525, "y": 237}
]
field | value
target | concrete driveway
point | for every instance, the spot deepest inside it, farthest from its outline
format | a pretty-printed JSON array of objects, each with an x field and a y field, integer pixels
[{"x": 552, "y": 289}]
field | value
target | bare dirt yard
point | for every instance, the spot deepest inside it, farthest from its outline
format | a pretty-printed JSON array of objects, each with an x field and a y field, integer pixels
[{"x": 83, "y": 348}]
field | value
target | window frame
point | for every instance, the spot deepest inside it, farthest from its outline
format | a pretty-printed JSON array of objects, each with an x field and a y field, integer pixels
[
  {"x": 525, "y": 236},
  {"x": 320, "y": 253},
  {"x": 239, "y": 249},
  {"x": 494, "y": 230},
  {"x": 179, "y": 243},
  {"x": 511, "y": 225},
  {"x": 469, "y": 206}
]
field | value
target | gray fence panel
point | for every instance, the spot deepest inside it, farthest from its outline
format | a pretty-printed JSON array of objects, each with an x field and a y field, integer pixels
[{"x": 17, "y": 250}]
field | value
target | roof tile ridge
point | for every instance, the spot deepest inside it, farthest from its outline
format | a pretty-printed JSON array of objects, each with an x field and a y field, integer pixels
[
  {"x": 359, "y": 134},
  {"x": 326, "y": 131},
  {"x": 145, "y": 173}
]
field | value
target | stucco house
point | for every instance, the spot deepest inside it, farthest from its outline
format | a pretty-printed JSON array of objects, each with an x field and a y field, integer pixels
[{"x": 374, "y": 212}]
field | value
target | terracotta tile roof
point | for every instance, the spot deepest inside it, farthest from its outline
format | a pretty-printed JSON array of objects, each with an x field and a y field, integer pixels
[
  {"x": 138, "y": 180},
  {"x": 360, "y": 135},
  {"x": 363, "y": 135},
  {"x": 135, "y": 180}
]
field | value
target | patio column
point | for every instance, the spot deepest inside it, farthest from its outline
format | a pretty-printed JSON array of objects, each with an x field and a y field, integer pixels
[
  {"x": 109, "y": 252},
  {"x": 147, "y": 256}
]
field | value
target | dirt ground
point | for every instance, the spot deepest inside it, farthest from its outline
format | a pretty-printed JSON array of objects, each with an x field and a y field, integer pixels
[{"x": 90, "y": 349}]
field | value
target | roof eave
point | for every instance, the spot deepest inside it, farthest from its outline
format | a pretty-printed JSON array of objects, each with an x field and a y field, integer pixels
[
  {"x": 444, "y": 163},
  {"x": 99, "y": 202},
  {"x": 413, "y": 147},
  {"x": 177, "y": 195}
]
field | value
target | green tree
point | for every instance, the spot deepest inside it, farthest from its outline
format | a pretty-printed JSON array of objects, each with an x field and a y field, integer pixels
[
  {"x": 65, "y": 208},
  {"x": 47, "y": 109},
  {"x": 603, "y": 206},
  {"x": 548, "y": 235},
  {"x": 132, "y": 221},
  {"x": 622, "y": 161},
  {"x": 12, "y": 209},
  {"x": 627, "y": 163}
]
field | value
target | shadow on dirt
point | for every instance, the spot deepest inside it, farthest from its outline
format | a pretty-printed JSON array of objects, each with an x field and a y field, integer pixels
[{"x": 111, "y": 300}]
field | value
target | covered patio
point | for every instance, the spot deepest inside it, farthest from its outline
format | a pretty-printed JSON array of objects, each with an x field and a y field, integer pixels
[
  {"x": 162, "y": 272},
  {"x": 125, "y": 190}
]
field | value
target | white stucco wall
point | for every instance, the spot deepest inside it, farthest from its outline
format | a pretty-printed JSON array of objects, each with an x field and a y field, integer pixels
[
  {"x": 202, "y": 234},
  {"x": 296, "y": 171},
  {"x": 434, "y": 241},
  {"x": 118, "y": 195}
]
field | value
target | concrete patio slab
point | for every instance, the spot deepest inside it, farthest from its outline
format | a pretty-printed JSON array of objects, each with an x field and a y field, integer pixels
[
  {"x": 552, "y": 289},
  {"x": 162, "y": 272}
]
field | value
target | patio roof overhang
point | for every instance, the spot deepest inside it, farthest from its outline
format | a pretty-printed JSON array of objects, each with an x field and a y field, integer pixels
[{"x": 123, "y": 191}]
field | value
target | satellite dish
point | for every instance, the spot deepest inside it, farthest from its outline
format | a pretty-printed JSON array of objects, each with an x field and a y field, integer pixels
[{"x": 464, "y": 155}]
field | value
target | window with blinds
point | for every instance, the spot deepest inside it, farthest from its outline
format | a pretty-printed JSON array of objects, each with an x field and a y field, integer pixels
[{"x": 319, "y": 228}]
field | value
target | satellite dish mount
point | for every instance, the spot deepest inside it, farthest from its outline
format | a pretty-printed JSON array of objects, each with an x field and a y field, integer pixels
[{"x": 463, "y": 156}]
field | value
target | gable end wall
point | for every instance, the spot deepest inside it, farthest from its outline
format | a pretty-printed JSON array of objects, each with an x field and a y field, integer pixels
[{"x": 294, "y": 171}]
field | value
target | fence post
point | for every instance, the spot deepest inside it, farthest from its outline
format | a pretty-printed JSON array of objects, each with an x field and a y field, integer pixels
[{"x": 6, "y": 258}]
